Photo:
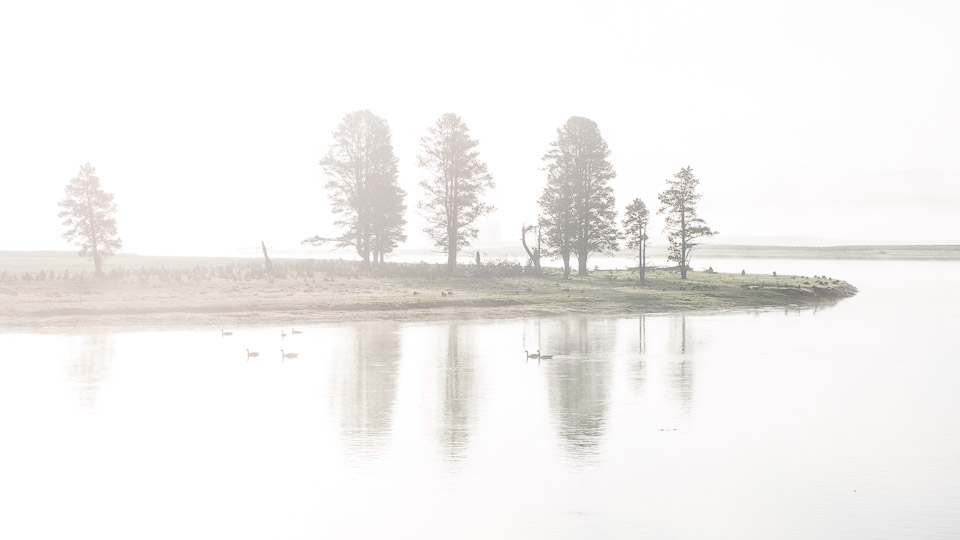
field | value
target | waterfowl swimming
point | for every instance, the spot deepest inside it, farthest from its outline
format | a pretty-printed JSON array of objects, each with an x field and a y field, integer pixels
[
  {"x": 252, "y": 354},
  {"x": 288, "y": 355},
  {"x": 529, "y": 356},
  {"x": 544, "y": 356},
  {"x": 294, "y": 331},
  {"x": 223, "y": 334},
  {"x": 283, "y": 334}
]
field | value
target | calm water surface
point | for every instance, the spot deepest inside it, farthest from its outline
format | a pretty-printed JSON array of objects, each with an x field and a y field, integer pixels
[{"x": 841, "y": 422}]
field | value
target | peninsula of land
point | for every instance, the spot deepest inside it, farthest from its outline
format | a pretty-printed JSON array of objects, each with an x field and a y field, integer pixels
[{"x": 58, "y": 291}]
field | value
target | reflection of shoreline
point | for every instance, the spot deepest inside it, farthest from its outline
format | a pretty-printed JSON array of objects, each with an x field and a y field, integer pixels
[
  {"x": 89, "y": 365},
  {"x": 364, "y": 386}
]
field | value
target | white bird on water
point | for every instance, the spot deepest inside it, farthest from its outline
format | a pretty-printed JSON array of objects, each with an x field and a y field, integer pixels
[
  {"x": 224, "y": 334},
  {"x": 287, "y": 355},
  {"x": 252, "y": 354}
]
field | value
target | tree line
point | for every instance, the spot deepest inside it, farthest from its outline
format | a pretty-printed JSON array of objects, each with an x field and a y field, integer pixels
[{"x": 578, "y": 215}]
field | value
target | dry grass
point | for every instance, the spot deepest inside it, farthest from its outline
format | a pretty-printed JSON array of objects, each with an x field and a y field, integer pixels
[{"x": 55, "y": 291}]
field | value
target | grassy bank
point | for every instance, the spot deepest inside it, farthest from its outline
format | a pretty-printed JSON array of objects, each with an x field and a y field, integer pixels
[{"x": 57, "y": 290}]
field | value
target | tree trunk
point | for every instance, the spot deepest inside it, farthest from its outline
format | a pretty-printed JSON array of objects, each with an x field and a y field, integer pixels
[
  {"x": 683, "y": 244},
  {"x": 97, "y": 262},
  {"x": 582, "y": 266},
  {"x": 566, "y": 264},
  {"x": 452, "y": 247},
  {"x": 267, "y": 263},
  {"x": 643, "y": 263},
  {"x": 451, "y": 260},
  {"x": 534, "y": 256}
]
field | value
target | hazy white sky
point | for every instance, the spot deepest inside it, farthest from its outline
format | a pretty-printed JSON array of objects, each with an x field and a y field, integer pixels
[{"x": 807, "y": 122}]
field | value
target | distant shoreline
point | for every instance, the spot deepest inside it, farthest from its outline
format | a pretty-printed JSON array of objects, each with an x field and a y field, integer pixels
[
  {"x": 44, "y": 292},
  {"x": 656, "y": 252}
]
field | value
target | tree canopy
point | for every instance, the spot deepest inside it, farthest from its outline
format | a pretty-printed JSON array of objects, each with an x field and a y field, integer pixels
[
  {"x": 635, "y": 231},
  {"x": 362, "y": 186},
  {"x": 456, "y": 180},
  {"x": 88, "y": 213},
  {"x": 683, "y": 226},
  {"x": 578, "y": 203}
]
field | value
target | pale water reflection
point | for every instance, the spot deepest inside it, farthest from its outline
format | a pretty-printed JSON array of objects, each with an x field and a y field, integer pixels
[
  {"x": 365, "y": 360},
  {"x": 87, "y": 362},
  {"x": 831, "y": 423}
]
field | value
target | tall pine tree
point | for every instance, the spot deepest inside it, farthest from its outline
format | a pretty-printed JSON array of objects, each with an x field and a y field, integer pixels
[
  {"x": 456, "y": 180},
  {"x": 88, "y": 213},
  {"x": 683, "y": 226},
  {"x": 363, "y": 188},
  {"x": 578, "y": 203},
  {"x": 635, "y": 230}
]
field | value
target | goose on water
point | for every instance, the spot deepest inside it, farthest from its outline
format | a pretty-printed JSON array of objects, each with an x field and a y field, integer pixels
[{"x": 224, "y": 334}]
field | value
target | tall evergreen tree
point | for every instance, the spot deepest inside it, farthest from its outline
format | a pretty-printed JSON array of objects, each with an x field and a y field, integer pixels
[
  {"x": 556, "y": 221},
  {"x": 457, "y": 179},
  {"x": 578, "y": 203},
  {"x": 88, "y": 213},
  {"x": 683, "y": 227},
  {"x": 635, "y": 230},
  {"x": 363, "y": 188},
  {"x": 387, "y": 219}
]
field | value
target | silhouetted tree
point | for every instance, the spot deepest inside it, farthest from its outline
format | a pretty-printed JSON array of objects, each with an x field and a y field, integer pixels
[
  {"x": 362, "y": 183},
  {"x": 578, "y": 203},
  {"x": 683, "y": 227},
  {"x": 457, "y": 179},
  {"x": 557, "y": 223},
  {"x": 635, "y": 230},
  {"x": 387, "y": 220},
  {"x": 88, "y": 213}
]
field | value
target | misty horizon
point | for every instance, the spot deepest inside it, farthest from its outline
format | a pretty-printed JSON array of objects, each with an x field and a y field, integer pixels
[
  {"x": 477, "y": 270},
  {"x": 824, "y": 125}
]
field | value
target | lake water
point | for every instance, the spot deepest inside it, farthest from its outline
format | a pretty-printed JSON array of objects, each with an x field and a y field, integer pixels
[{"x": 840, "y": 422}]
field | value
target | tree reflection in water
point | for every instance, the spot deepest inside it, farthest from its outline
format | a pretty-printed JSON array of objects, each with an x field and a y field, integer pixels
[
  {"x": 459, "y": 391},
  {"x": 579, "y": 382},
  {"x": 88, "y": 365},
  {"x": 364, "y": 386},
  {"x": 682, "y": 373}
]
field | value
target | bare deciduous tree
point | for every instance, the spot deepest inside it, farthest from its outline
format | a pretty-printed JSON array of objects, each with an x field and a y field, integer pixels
[
  {"x": 537, "y": 250},
  {"x": 457, "y": 179},
  {"x": 683, "y": 227},
  {"x": 88, "y": 213}
]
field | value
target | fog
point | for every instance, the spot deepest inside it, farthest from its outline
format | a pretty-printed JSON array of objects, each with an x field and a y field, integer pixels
[{"x": 808, "y": 123}]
